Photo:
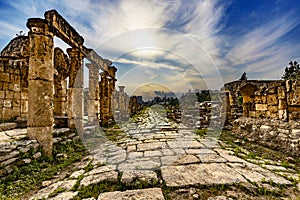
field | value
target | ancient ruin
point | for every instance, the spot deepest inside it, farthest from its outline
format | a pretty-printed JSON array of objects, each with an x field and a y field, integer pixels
[
  {"x": 265, "y": 112},
  {"x": 42, "y": 85}
]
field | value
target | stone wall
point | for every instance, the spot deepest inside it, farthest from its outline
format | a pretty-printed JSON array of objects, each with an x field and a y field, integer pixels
[
  {"x": 13, "y": 98},
  {"x": 263, "y": 99},
  {"x": 275, "y": 134}
]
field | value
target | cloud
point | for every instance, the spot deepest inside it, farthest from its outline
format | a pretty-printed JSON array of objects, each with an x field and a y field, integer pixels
[{"x": 172, "y": 42}]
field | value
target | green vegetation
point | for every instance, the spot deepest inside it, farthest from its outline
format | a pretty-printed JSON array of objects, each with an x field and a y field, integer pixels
[
  {"x": 29, "y": 178},
  {"x": 292, "y": 72},
  {"x": 243, "y": 77},
  {"x": 201, "y": 132}
]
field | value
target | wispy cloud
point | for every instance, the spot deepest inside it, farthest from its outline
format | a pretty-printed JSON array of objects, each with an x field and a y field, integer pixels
[{"x": 173, "y": 42}]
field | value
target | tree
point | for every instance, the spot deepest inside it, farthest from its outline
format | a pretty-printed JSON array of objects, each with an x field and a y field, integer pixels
[
  {"x": 292, "y": 71},
  {"x": 243, "y": 77}
]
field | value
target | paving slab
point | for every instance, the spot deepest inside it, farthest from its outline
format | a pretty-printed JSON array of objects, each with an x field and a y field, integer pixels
[
  {"x": 140, "y": 164},
  {"x": 65, "y": 196},
  {"x": 144, "y": 175},
  {"x": 204, "y": 174},
  {"x": 150, "y": 146},
  {"x": 96, "y": 178},
  {"x": 185, "y": 144},
  {"x": 211, "y": 158},
  {"x": 143, "y": 194}
]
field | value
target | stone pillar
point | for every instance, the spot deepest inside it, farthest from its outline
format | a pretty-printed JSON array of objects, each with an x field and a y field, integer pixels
[
  {"x": 93, "y": 92},
  {"x": 104, "y": 107},
  {"x": 122, "y": 102},
  {"x": 112, "y": 83},
  {"x": 40, "y": 84},
  {"x": 60, "y": 96},
  {"x": 111, "y": 87},
  {"x": 282, "y": 104},
  {"x": 75, "y": 92}
]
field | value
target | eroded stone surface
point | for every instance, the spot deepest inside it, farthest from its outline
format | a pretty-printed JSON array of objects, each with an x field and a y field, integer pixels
[
  {"x": 145, "y": 194},
  {"x": 205, "y": 174},
  {"x": 96, "y": 178},
  {"x": 144, "y": 175}
]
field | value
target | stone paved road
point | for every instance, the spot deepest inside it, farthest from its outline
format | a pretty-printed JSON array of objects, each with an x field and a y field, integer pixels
[{"x": 184, "y": 159}]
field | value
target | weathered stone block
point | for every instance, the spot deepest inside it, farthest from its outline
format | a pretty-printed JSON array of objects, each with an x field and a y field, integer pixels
[
  {"x": 24, "y": 95},
  {"x": 24, "y": 106},
  {"x": 252, "y": 114},
  {"x": 10, "y": 86},
  {"x": 17, "y": 95},
  {"x": 272, "y": 99},
  {"x": 17, "y": 79},
  {"x": 273, "y": 109},
  {"x": 40, "y": 103},
  {"x": 44, "y": 137},
  {"x": 261, "y": 99},
  {"x": 246, "y": 99},
  {"x": 281, "y": 93},
  {"x": 4, "y": 77},
  {"x": 16, "y": 111},
  {"x": 272, "y": 90},
  {"x": 7, "y": 113},
  {"x": 16, "y": 102},
  {"x": 9, "y": 95},
  {"x": 282, "y": 104},
  {"x": 2, "y": 93},
  {"x": 293, "y": 98},
  {"x": 282, "y": 114},
  {"x": 7, "y": 103},
  {"x": 5, "y": 86},
  {"x": 17, "y": 87},
  {"x": 261, "y": 107}
]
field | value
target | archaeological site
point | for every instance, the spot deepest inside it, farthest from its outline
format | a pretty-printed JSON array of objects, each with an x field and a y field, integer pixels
[{"x": 62, "y": 140}]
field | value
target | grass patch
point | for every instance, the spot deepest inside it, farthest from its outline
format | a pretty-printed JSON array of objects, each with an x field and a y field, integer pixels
[
  {"x": 29, "y": 177},
  {"x": 57, "y": 191},
  {"x": 201, "y": 132}
]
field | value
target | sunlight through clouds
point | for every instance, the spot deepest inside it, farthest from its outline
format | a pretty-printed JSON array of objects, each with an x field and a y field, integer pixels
[{"x": 176, "y": 41}]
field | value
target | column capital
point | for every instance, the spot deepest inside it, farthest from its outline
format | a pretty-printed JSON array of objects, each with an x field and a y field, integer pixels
[
  {"x": 39, "y": 26},
  {"x": 121, "y": 89},
  {"x": 112, "y": 71},
  {"x": 75, "y": 53}
]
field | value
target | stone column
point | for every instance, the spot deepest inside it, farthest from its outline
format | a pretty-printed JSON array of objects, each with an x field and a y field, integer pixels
[
  {"x": 60, "y": 96},
  {"x": 75, "y": 92},
  {"x": 122, "y": 102},
  {"x": 40, "y": 84},
  {"x": 104, "y": 107},
  {"x": 111, "y": 87},
  {"x": 93, "y": 92},
  {"x": 112, "y": 83}
]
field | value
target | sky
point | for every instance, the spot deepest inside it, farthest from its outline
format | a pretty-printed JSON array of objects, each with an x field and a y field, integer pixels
[{"x": 175, "y": 44}]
